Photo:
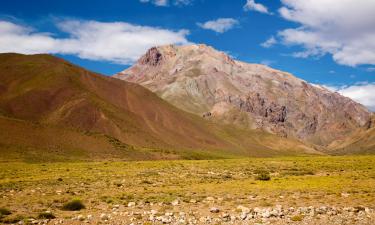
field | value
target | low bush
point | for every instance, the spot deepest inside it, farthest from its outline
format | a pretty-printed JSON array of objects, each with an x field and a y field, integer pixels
[
  {"x": 263, "y": 175},
  {"x": 4, "y": 212},
  {"x": 46, "y": 215},
  {"x": 74, "y": 205},
  {"x": 297, "y": 218}
]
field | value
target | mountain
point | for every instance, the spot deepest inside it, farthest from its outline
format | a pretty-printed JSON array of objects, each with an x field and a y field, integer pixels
[
  {"x": 210, "y": 84},
  {"x": 362, "y": 142},
  {"x": 50, "y": 108}
]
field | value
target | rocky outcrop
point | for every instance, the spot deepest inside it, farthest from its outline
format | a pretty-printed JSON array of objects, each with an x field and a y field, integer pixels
[
  {"x": 200, "y": 79},
  {"x": 152, "y": 58}
]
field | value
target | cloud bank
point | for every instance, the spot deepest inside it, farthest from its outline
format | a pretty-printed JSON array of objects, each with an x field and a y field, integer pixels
[
  {"x": 116, "y": 42},
  {"x": 343, "y": 28}
]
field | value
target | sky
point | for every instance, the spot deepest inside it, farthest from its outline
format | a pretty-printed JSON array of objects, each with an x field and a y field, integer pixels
[{"x": 325, "y": 42}]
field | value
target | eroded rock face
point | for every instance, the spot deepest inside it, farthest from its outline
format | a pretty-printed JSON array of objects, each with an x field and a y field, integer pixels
[
  {"x": 202, "y": 80},
  {"x": 152, "y": 58}
]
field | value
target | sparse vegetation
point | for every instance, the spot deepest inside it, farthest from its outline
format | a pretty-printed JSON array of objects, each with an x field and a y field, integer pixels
[
  {"x": 12, "y": 219},
  {"x": 73, "y": 205},
  {"x": 46, "y": 215},
  {"x": 263, "y": 175},
  {"x": 34, "y": 188},
  {"x": 4, "y": 212},
  {"x": 296, "y": 218}
]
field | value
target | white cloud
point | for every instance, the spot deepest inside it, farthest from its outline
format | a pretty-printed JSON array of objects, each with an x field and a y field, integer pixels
[
  {"x": 269, "y": 42},
  {"x": 156, "y": 2},
  {"x": 117, "y": 42},
  {"x": 362, "y": 92},
  {"x": 167, "y": 2},
  {"x": 343, "y": 28},
  {"x": 220, "y": 25},
  {"x": 253, "y": 6}
]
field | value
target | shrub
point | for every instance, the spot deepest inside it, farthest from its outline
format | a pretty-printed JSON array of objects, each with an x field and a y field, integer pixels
[
  {"x": 297, "y": 218},
  {"x": 12, "y": 219},
  {"x": 46, "y": 215},
  {"x": 4, "y": 212},
  {"x": 263, "y": 175},
  {"x": 74, "y": 205}
]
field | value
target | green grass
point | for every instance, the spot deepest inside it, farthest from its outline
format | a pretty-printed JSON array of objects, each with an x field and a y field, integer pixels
[{"x": 33, "y": 188}]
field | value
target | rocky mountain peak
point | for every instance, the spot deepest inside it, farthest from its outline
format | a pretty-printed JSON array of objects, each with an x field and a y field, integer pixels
[
  {"x": 153, "y": 57},
  {"x": 209, "y": 83}
]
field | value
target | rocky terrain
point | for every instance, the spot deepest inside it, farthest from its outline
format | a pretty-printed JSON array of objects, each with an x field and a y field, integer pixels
[
  {"x": 209, "y": 83},
  {"x": 196, "y": 213}
]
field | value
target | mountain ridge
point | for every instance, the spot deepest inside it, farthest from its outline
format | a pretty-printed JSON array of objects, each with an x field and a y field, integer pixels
[
  {"x": 209, "y": 83},
  {"x": 45, "y": 95}
]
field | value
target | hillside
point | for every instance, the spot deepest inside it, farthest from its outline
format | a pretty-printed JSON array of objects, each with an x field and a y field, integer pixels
[
  {"x": 50, "y": 106},
  {"x": 208, "y": 83},
  {"x": 362, "y": 142}
]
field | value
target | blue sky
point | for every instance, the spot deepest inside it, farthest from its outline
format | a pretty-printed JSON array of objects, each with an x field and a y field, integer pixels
[{"x": 301, "y": 41}]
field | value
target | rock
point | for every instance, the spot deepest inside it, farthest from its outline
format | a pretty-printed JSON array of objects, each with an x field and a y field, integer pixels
[
  {"x": 243, "y": 216},
  {"x": 226, "y": 217},
  {"x": 345, "y": 195},
  {"x": 153, "y": 57},
  {"x": 166, "y": 220},
  {"x": 80, "y": 217},
  {"x": 359, "y": 209},
  {"x": 104, "y": 216},
  {"x": 257, "y": 210},
  {"x": 214, "y": 210},
  {"x": 243, "y": 209},
  {"x": 322, "y": 210},
  {"x": 168, "y": 214},
  {"x": 175, "y": 202},
  {"x": 89, "y": 217},
  {"x": 131, "y": 204},
  {"x": 193, "y": 201},
  {"x": 266, "y": 214},
  {"x": 211, "y": 199}
]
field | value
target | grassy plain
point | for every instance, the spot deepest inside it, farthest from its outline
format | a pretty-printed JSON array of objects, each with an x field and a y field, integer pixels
[{"x": 28, "y": 189}]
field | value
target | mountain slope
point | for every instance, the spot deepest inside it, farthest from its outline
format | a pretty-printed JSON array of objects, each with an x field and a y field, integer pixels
[
  {"x": 362, "y": 142},
  {"x": 46, "y": 95},
  {"x": 208, "y": 83}
]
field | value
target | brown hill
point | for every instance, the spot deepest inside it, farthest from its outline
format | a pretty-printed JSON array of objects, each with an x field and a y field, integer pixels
[
  {"x": 361, "y": 142},
  {"x": 50, "y": 105},
  {"x": 208, "y": 83}
]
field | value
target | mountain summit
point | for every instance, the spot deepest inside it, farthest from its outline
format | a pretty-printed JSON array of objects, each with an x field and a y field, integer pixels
[{"x": 209, "y": 83}]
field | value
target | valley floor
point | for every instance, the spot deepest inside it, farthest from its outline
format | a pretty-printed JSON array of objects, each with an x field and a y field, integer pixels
[{"x": 301, "y": 190}]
